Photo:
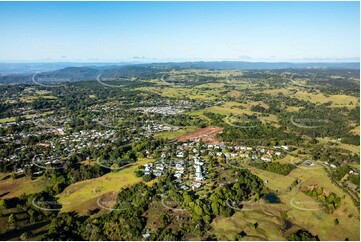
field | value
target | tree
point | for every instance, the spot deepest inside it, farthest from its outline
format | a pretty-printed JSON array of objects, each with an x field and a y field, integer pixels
[
  {"x": 114, "y": 167},
  {"x": 138, "y": 173},
  {"x": 319, "y": 191},
  {"x": 26, "y": 236},
  {"x": 215, "y": 208},
  {"x": 147, "y": 178},
  {"x": 253, "y": 226},
  {"x": 3, "y": 204},
  {"x": 198, "y": 210},
  {"x": 240, "y": 235},
  {"x": 331, "y": 198},
  {"x": 187, "y": 199},
  {"x": 303, "y": 235},
  {"x": 13, "y": 175},
  {"x": 11, "y": 218}
]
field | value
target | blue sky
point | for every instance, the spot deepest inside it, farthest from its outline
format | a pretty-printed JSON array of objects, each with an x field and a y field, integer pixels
[{"x": 163, "y": 31}]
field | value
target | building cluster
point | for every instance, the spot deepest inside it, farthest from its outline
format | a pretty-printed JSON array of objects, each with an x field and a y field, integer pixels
[
  {"x": 155, "y": 168},
  {"x": 188, "y": 168},
  {"x": 156, "y": 128},
  {"x": 166, "y": 110},
  {"x": 67, "y": 144}
]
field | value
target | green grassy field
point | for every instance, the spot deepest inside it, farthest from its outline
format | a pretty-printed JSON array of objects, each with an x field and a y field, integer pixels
[
  {"x": 353, "y": 148},
  {"x": 268, "y": 226},
  {"x": 317, "y": 222},
  {"x": 82, "y": 196},
  {"x": 176, "y": 134},
  {"x": 337, "y": 100},
  {"x": 29, "y": 116},
  {"x": 15, "y": 187},
  {"x": 235, "y": 108},
  {"x": 268, "y": 216},
  {"x": 7, "y": 120},
  {"x": 225, "y": 109}
]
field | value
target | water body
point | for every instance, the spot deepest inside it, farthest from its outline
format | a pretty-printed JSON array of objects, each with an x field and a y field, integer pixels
[{"x": 271, "y": 198}]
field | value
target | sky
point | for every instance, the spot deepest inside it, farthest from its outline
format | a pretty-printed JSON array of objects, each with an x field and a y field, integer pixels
[{"x": 179, "y": 31}]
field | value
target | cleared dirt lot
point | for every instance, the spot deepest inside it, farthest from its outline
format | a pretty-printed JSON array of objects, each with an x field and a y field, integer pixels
[{"x": 206, "y": 135}]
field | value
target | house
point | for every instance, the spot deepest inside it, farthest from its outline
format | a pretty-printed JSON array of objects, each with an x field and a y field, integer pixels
[
  {"x": 198, "y": 169},
  {"x": 160, "y": 167},
  {"x": 177, "y": 180},
  {"x": 265, "y": 158},
  {"x": 178, "y": 175},
  {"x": 180, "y": 171},
  {"x": 196, "y": 185},
  {"x": 146, "y": 235},
  {"x": 19, "y": 171},
  {"x": 181, "y": 154},
  {"x": 199, "y": 178},
  {"x": 157, "y": 174},
  {"x": 184, "y": 187}
]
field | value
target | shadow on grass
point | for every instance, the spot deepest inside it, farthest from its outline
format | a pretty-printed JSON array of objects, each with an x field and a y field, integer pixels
[{"x": 14, "y": 234}]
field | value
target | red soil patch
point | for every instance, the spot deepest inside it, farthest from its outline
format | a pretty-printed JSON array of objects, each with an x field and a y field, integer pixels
[{"x": 206, "y": 135}]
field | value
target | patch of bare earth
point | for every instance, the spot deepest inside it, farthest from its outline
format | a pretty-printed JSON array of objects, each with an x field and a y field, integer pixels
[{"x": 206, "y": 135}]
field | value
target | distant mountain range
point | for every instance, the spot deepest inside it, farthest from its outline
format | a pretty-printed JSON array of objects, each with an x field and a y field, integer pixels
[
  {"x": 71, "y": 72},
  {"x": 29, "y": 68},
  {"x": 240, "y": 65}
]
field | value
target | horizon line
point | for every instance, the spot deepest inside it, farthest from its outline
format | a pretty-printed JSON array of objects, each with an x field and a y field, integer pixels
[{"x": 149, "y": 61}]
